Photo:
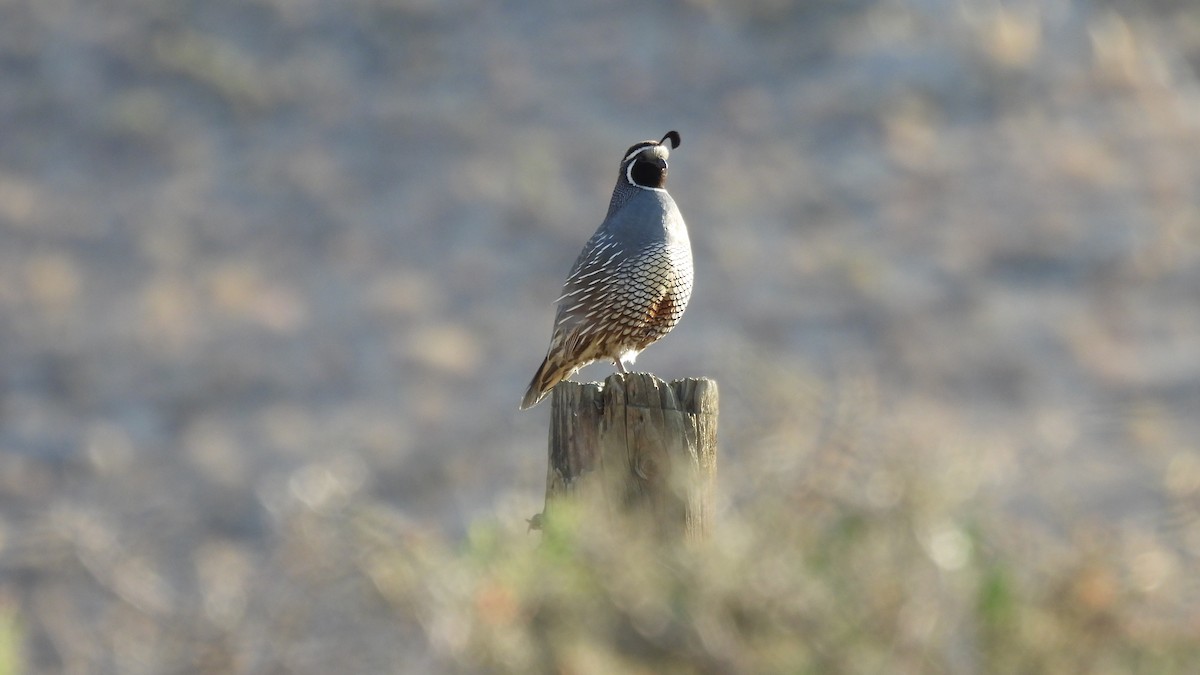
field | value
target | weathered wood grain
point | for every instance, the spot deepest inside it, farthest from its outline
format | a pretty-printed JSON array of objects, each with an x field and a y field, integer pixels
[{"x": 639, "y": 447}]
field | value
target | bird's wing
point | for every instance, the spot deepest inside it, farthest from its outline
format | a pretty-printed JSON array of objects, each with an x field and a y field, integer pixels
[{"x": 591, "y": 288}]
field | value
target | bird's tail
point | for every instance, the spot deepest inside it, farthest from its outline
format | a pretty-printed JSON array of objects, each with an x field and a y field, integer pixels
[{"x": 552, "y": 371}]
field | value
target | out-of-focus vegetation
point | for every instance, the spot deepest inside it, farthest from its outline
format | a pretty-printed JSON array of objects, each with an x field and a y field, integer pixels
[
  {"x": 856, "y": 590},
  {"x": 274, "y": 274},
  {"x": 11, "y": 659},
  {"x": 893, "y": 571}
]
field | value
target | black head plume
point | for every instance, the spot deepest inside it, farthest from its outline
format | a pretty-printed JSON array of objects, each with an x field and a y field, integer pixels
[{"x": 673, "y": 136}]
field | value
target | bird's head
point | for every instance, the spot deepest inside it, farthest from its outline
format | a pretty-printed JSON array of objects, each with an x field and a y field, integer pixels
[{"x": 645, "y": 163}]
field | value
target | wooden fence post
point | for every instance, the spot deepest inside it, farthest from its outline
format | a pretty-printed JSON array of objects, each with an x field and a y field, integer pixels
[{"x": 640, "y": 446}]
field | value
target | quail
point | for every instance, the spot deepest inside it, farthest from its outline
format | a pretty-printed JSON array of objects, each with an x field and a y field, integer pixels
[{"x": 631, "y": 283}]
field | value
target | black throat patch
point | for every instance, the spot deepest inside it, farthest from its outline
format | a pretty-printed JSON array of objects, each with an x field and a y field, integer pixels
[{"x": 648, "y": 174}]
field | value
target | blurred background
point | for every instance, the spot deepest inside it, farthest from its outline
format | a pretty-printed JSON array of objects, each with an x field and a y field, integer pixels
[{"x": 275, "y": 274}]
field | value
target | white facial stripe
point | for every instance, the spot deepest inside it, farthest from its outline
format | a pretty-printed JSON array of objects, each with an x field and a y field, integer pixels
[
  {"x": 658, "y": 150},
  {"x": 637, "y": 152}
]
